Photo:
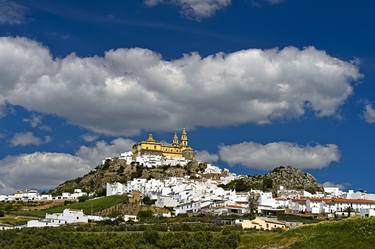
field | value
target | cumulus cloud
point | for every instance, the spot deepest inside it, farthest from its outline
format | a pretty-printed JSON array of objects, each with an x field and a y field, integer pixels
[
  {"x": 28, "y": 138},
  {"x": 268, "y": 156},
  {"x": 43, "y": 170},
  {"x": 369, "y": 114},
  {"x": 194, "y": 8},
  {"x": 205, "y": 156},
  {"x": 39, "y": 170},
  {"x": 130, "y": 90},
  {"x": 95, "y": 155},
  {"x": 11, "y": 12}
]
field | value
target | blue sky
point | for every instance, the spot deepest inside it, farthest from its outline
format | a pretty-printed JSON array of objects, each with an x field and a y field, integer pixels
[{"x": 258, "y": 83}]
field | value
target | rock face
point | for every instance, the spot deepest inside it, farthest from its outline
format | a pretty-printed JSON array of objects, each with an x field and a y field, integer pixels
[
  {"x": 292, "y": 178},
  {"x": 289, "y": 177}
]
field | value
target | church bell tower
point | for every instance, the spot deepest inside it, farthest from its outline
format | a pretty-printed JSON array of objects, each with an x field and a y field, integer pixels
[
  {"x": 184, "y": 138},
  {"x": 175, "y": 139}
]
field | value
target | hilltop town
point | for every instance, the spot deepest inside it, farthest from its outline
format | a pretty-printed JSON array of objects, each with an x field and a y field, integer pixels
[{"x": 165, "y": 180}]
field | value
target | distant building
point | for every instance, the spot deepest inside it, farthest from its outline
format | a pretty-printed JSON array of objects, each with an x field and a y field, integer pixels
[
  {"x": 262, "y": 223},
  {"x": 68, "y": 216},
  {"x": 174, "y": 150}
]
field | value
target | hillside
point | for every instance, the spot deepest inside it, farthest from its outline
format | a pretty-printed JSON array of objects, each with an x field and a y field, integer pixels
[
  {"x": 349, "y": 233},
  {"x": 289, "y": 177},
  {"x": 119, "y": 171},
  {"x": 93, "y": 206}
]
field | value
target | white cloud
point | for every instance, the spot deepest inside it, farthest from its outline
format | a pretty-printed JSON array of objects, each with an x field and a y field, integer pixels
[
  {"x": 268, "y": 156},
  {"x": 89, "y": 137},
  {"x": 35, "y": 121},
  {"x": 331, "y": 184},
  {"x": 43, "y": 170},
  {"x": 11, "y": 12},
  {"x": 28, "y": 138},
  {"x": 129, "y": 90},
  {"x": 205, "y": 156},
  {"x": 95, "y": 155},
  {"x": 39, "y": 170},
  {"x": 369, "y": 114},
  {"x": 194, "y": 8}
]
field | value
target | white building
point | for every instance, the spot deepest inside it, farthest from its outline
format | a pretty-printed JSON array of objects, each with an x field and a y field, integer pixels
[
  {"x": 115, "y": 189},
  {"x": 166, "y": 201},
  {"x": 127, "y": 156},
  {"x": 41, "y": 223},
  {"x": 211, "y": 169},
  {"x": 186, "y": 208},
  {"x": 370, "y": 212},
  {"x": 68, "y": 216}
]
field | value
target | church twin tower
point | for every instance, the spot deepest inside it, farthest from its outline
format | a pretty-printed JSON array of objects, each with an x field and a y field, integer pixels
[
  {"x": 174, "y": 150},
  {"x": 184, "y": 139}
]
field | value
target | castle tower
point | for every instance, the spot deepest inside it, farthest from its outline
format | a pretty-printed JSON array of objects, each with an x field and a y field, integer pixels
[
  {"x": 175, "y": 139},
  {"x": 184, "y": 138}
]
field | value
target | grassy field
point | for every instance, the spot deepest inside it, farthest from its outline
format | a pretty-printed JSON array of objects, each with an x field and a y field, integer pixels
[
  {"x": 349, "y": 233},
  {"x": 13, "y": 220},
  {"x": 88, "y": 207}
]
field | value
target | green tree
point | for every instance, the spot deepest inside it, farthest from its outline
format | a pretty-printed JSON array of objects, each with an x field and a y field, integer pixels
[
  {"x": 106, "y": 164},
  {"x": 349, "y": 210},
  {"x": 151, "y": 236},
  {"x": 145, "y": 214},
  {"x": 147, "y": 201},
  {"x": 267, "y": 183}
]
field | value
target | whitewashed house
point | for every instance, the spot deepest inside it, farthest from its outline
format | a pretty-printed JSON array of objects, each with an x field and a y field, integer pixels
[
  {"x": 186, "y": 208},
  {"x": 115, "y": 188},
  {"x": 127, "y": 156},
  {"x": 41, "y": 223},
  {"x": 370, "y": 212},
  {"x": 68, "y": 216},
  {"x": 166, "y": 201}
]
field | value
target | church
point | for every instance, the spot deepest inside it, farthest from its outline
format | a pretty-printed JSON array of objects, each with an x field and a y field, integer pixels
[{"x": 175, "y": 150}]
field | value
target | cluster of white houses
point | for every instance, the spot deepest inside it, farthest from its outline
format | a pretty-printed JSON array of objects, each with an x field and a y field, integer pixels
[
  {"x": 333, "y": 202},
  {"x": 150, "y": 160},
  {"x": 185, "y": 195},
  {"x": 34, "y": 195}
]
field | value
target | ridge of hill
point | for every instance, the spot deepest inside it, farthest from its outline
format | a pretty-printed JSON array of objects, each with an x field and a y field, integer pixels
[
  {"x": 119, "y": 171},
  {"x": 288, "y": 177}
]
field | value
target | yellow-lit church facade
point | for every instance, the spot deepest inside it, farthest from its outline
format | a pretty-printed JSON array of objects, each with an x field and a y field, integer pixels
[{"x": 174, "y": 150}]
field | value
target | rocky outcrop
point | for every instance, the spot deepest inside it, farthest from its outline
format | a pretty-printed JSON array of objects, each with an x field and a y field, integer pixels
[{"x": 289, "y": 177}]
